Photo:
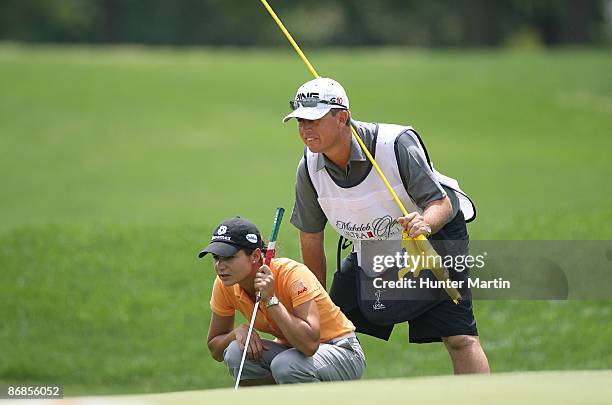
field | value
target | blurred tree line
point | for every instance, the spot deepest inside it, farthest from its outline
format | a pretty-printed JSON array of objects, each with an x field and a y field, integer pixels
[{"x": 435, "y": 23}]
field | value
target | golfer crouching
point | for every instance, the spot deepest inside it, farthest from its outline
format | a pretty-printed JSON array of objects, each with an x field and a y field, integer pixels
[{"x": 314, "y": 340}]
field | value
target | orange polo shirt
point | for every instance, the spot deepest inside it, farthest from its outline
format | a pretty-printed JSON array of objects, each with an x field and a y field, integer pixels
[{"x": 294, "y": 284}]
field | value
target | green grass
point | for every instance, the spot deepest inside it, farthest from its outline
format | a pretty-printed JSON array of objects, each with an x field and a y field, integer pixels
[
  {"x": 586, "y": 387},
  {"x": 117, "y": 163}
]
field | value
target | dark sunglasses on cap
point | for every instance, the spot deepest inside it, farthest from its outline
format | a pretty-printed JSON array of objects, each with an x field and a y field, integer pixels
[{"x": 311, "y": 102}]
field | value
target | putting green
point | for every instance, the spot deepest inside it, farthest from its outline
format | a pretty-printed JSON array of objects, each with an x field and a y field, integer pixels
[{"x": 550, "y": 387}]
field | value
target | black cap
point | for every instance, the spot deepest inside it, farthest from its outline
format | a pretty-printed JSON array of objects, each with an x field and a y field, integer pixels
[{"x": 232, "y": 235}]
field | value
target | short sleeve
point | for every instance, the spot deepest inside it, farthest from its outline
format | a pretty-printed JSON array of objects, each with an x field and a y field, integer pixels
[
  {"x": 303, "y": 285},
  {"x": 307, "y": 214},
  {"x": 219, "y": 302},
  {"x": 417, "y": 176}
]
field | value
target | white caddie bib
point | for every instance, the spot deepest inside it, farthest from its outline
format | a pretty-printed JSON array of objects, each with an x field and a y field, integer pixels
[{"x": 367, "y": 212}]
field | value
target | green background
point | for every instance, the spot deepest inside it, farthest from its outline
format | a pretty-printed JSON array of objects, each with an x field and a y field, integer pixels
[{"x": 117, "y": 163}]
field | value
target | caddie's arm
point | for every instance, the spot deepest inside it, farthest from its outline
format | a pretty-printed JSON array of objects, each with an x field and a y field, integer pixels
[
  {"x": 301, "y": 326},
  {"x": 313, "y": 254},
  {"x": 423, "y": 186},
  {"x": 310, "y": 220},
  {"x": 435, "y": 215}
]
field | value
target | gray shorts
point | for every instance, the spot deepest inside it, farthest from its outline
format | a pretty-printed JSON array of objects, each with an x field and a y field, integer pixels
[{"x": 337, "y": 360}]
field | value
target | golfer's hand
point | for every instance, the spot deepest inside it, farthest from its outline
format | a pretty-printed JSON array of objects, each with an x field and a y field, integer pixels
[
  {"x": 256, "y": 345},
  {"x": 264, "y": 282},
  {"x": 415, "y": 224}
]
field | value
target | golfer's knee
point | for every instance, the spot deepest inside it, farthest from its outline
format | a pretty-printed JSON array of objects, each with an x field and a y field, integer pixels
[
  {"x": 461, "y": 343},
  {"x": 232, "y": 356},
  {"x": 286, "y": 369},
  {"x": 281, "y": 371}
]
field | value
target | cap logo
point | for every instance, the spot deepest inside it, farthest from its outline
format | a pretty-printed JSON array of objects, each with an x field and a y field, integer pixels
[
  {"x": 222, "y": 229},
  {"x": 251, "y": 237},
  {"x": 301, "y": 96}
]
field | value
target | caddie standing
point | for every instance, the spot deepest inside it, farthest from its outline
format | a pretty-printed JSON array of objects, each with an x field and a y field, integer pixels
[{"x": 336, "y": 183}]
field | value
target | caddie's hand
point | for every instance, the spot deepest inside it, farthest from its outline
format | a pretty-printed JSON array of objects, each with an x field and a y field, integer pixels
[
  {"x": 264, "y": 282},
  {"x": 256, "y": 345},
  {"x": 415, "y": 224}
]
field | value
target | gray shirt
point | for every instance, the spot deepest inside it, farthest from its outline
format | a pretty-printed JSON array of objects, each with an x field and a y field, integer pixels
[{"x": 416, "y": 175}]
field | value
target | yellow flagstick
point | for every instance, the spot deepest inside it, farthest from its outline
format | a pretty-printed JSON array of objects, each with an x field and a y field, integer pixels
[
  {"x": 422, "y": 247},
  {"x": 316, "y": 75},
  {"x": 290, "y": 38}
]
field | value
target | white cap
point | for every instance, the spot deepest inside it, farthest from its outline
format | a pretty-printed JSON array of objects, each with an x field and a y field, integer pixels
[{"x": 325, "y": 89}]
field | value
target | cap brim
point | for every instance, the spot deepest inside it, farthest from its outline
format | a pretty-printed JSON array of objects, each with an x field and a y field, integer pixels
[
  {"x": 220, "y": 249},
  {"x": 308, "y": 113}
]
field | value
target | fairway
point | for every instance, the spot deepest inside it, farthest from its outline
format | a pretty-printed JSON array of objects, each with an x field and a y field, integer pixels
[
  {"x": 555, "y": 388},
  {"x": 118, "y": 162}
]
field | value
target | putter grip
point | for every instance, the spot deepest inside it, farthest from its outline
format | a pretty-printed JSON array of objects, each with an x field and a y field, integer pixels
[{"x": 271, "y": 251}]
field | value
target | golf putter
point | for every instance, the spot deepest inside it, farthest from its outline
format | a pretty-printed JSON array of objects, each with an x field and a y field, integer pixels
[{"x": 270, "y": 252}]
